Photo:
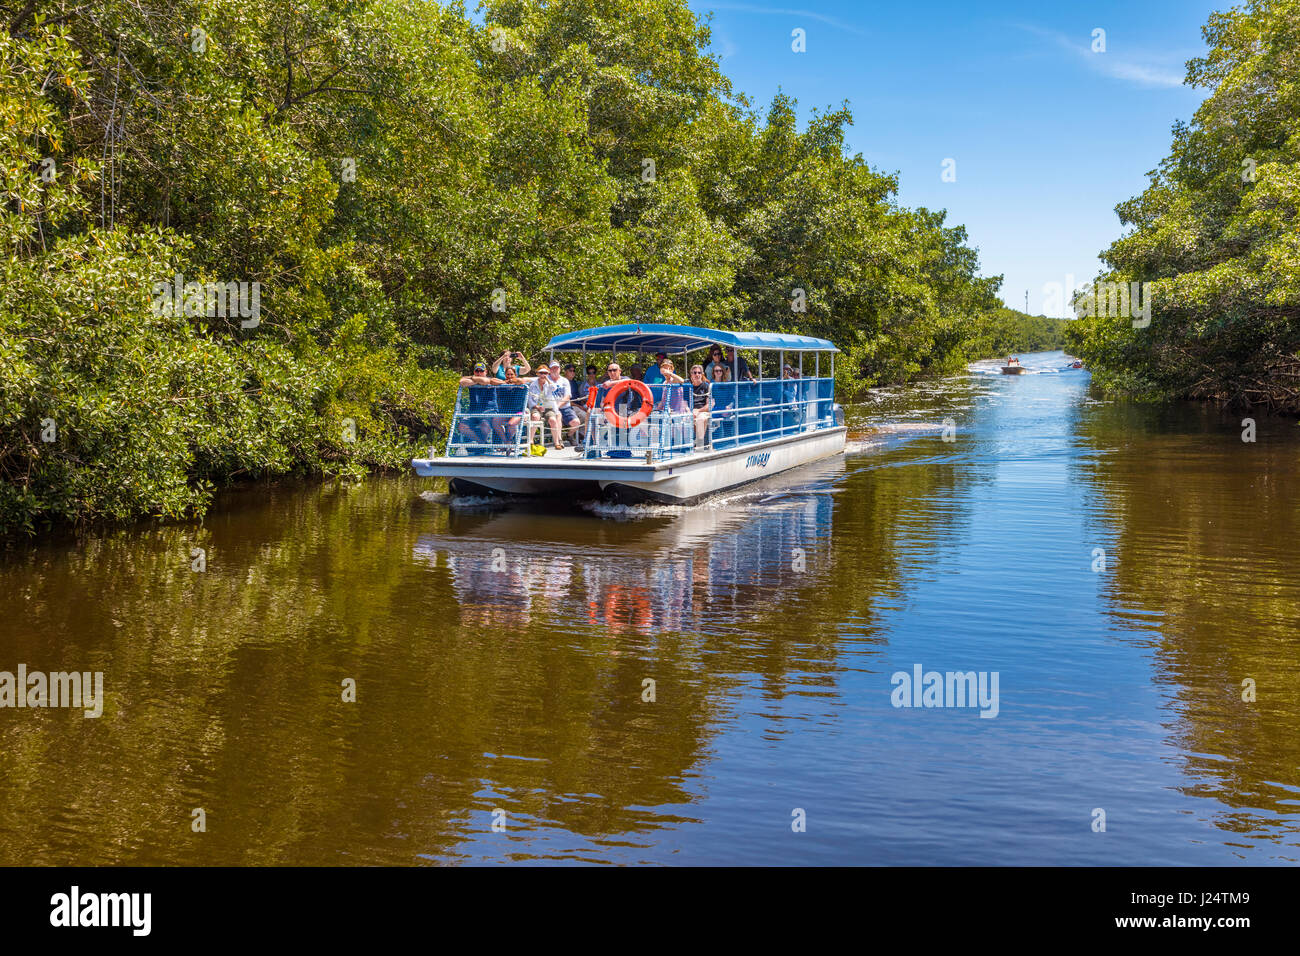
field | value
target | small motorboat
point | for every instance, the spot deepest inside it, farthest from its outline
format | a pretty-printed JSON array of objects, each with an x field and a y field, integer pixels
[{"x": 1013, "y": 367}]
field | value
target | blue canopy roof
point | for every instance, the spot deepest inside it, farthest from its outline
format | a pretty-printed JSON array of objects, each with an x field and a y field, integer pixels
[{"x": 679, "y": 338}]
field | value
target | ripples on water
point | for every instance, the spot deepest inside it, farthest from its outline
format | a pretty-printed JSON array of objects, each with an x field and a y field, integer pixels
[{"x": 501, "y": 653}]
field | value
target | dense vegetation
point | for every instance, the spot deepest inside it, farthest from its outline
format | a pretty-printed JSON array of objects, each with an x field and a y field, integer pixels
[
  {"x": 1217, "y": 232},
  {"x": 408, "y": 191},
  {"x": 1002, "y": 331}
]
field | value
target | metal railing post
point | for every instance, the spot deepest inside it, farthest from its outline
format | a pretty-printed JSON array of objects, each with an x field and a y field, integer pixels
[{"x": 455, "y": 417}]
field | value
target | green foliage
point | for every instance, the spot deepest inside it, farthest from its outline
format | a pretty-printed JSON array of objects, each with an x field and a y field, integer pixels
[
  {"x": 1216, "y": 233},
  {"x": 411, "y": 192},
  {"x": 1007, "y": 331}
]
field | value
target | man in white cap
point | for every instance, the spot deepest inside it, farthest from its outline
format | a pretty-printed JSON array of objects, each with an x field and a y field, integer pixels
[{"x": 569, "y": 420}]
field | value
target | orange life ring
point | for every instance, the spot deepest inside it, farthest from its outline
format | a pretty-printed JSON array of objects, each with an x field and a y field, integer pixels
[{"x": 637, "y": 417}]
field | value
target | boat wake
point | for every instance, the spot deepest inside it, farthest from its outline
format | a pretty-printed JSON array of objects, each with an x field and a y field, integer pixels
[
  {"x": 465, "y": 502},
  {"x": 859, "y": 446},
  {"x": 625, "y": 512},
  {"x": 906, "y": 428},
  {"x": 641, "y": 510}
]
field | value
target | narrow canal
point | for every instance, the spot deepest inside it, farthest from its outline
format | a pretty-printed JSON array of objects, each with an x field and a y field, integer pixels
[{"x": 717, "y": 684}]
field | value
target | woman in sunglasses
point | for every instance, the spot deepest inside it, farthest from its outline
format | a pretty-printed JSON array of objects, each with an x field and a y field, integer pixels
[
  {"x": 715, "y": 360},
  {"x": 701, "y": 403}
]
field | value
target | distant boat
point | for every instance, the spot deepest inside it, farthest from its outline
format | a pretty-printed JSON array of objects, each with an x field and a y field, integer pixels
[{"x": 1013, "y": 367}]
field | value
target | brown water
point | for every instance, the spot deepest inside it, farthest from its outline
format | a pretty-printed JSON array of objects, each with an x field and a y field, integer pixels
[{"x": 500, "y": 656}]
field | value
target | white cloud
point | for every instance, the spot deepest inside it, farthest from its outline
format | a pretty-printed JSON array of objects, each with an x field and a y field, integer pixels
[
  {"x": 786, "y": 12},
  {"x": 1149, "y": 70}
]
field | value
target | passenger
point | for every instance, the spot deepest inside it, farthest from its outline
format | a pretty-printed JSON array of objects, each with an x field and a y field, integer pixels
[
  {"x": 569, "y": 420},
  {"x": 578, "y": 393},
  {"x": 715, "y": 361},
  {"x": 628, "y": 403},
  {"x": 674, "y": 399},
  {"x": 478, "y": 377},
  {"x": 741, "y": 365},
  {"x": 790, "y": 388},
  {"x": 724, "y": 399},
  {"x": 653, "y": 375},
  {"x": 577, "y": 386},
  {"x": 721, "y": 355},
  {"x": 666, "y": 374},
  {"x": 701, "y": 403},
  {"x": 521, "y": 366},
  {"x": 542, "y": 407},
  {"x": 505, "y": 427},
  {"x": 474, "y": 427},
  {"x": 636, "y": 372}
]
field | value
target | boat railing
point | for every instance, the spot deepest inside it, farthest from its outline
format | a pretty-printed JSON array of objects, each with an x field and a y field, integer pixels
[
  {"x": 493, "y": 419},
  {"x": 664, "y": 432},
  {"x": 743, "y": 413},
  {"x": 749, "y": 412},
  {"x": 489, "y": 420}
]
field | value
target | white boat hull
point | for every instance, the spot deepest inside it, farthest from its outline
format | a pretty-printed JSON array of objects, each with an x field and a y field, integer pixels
[{"x": 678, "y": 481}]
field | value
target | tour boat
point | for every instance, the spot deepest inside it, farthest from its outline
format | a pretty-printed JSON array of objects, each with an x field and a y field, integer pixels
[
  {"x": 640, "y": 441},
  {"x": 1013, "y": 367}
]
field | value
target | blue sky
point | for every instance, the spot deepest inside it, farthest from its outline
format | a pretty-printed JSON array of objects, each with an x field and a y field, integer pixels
[{"x": 1047, "y": 136}]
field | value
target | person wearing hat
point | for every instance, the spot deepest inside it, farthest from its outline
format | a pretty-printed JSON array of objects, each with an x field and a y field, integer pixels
[
  {"x": 543, "y": 407},
  {"x": 479, "y": 376},
  {"x": 569, "y": 420},
  {"x": 477, "y": 428}
]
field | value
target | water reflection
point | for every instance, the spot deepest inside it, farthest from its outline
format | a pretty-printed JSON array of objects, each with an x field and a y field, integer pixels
[
  {"x": 1203, "y": 531},
  {"x": 694, "y": 569},
  {"x": 501, "y": 659}
]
